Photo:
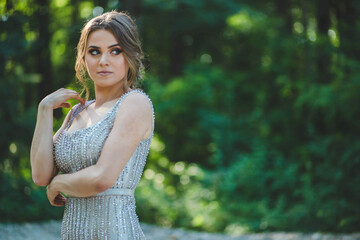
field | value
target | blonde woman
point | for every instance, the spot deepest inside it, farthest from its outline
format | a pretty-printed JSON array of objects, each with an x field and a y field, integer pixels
[{"x": 102, "y": 145}]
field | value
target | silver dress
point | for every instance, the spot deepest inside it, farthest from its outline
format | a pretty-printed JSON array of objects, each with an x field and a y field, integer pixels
[{"x": 110, "y": 214}]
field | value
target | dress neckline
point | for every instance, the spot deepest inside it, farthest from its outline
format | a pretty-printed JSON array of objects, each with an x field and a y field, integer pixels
[{"x": 98, "y": 122}]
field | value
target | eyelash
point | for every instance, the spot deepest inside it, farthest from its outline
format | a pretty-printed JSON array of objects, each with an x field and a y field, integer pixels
[
  {"x": 118, "y": 50},
  {"x": 95, "y": 52}
]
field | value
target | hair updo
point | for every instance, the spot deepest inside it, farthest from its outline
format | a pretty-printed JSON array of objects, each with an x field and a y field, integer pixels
[{"x": 125, "y": 31}]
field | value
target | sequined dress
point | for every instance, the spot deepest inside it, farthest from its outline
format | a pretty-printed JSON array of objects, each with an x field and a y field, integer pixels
[{"x": 110, "y": 214}]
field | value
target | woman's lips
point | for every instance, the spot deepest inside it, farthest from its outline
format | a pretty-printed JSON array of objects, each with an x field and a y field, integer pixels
[{"x": 104, "y": 73}]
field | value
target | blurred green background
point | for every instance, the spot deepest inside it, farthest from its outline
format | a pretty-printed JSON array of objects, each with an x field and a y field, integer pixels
[{"x": 257, "y": 109}]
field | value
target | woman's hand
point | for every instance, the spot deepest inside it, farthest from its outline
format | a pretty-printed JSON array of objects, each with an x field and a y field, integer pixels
[
  {"x": 55, "y": 197},
  {"x": 58, "y": 98}
]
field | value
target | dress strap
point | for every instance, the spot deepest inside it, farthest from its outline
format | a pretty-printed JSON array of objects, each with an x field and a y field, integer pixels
[
  {"x": 76, "y": 110},
  {"x": 118, "y": 103}
]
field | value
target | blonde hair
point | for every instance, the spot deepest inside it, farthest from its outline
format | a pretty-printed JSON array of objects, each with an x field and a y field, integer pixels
[{"x": 125, "y": 32}]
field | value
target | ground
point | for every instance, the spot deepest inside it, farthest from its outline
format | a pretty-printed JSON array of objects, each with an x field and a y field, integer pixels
[{"x": 51, "y": 231}]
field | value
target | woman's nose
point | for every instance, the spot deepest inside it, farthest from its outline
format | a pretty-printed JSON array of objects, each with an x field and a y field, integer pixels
[{"x": 104, "y": 59}]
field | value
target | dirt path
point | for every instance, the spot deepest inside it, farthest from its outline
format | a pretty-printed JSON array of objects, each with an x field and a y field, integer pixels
[{"x": 51, "y": 231}]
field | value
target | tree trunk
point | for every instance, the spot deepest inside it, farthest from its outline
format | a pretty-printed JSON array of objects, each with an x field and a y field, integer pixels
[
  {"x": 347, "y": 15},
  {"x": 324, "y": 47},
  {"x": 133, "y": 7},
  {"x": 43, "y": 53},
  {"x": 176, "y": 54},
  {"x": 283, "y": 8},
  {"x": 75, "y": 13}
]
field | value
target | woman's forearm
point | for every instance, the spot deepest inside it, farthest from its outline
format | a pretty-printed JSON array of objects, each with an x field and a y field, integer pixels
[
  {"x": 84, "y": 183},
  {"x": 41, "y": 152}
]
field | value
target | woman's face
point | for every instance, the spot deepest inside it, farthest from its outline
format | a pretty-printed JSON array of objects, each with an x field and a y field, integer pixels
[{"x": 104, "y": 59}]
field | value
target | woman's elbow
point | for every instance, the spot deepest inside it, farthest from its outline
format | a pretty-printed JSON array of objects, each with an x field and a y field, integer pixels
[
  {"x": 40, "y": 179},
  {"x": 103, "y": 184},
  {"x": 42, "y": 182}
]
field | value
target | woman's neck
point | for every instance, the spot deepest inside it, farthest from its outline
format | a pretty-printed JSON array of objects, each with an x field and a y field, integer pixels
[{"x": 105, "y": 95}]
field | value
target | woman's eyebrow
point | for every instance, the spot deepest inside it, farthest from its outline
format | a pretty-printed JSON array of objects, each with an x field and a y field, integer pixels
[{"x": 116, "y": 44}]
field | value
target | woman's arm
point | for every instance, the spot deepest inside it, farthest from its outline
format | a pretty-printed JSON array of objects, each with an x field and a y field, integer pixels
[
  {"x": 41, "y": 152},
  {"x": 42, "y": 164},
  {"x": 133, "y": 123}
]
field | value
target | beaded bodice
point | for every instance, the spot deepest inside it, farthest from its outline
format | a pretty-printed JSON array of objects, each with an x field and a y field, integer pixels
[{"x": 82, "y": 148}]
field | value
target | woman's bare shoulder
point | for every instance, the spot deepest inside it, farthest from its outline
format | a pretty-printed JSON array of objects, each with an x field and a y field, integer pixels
[
  {"x": 135, "y": 111},
  {"x": 137, "y": 100}
]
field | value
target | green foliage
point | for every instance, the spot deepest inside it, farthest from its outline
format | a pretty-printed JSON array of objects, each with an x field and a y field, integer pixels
[
  {"x": 269, "y": 170},
  {"x": 22, "y": 201}
]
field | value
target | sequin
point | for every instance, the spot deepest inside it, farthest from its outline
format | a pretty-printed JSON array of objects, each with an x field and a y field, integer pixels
[{"x": 109, "y": 215}]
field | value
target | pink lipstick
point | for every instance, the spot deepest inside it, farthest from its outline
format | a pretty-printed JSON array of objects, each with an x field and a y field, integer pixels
[{"x": 104, "y": 73}]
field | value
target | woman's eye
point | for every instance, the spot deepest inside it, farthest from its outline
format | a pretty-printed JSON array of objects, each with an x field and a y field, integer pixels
[
  {"x": 94, "y": 52},
  {"x": 116, "y": 51}
]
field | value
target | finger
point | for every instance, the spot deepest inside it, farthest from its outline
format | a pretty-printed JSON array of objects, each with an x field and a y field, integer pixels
[
  {"x": 62, "y": 202},
  {"x": 59, "y": 203},
  {"x": 60, "y": 89},
  {"x": 74, "y": 94},
  {"x": 60, "y": 198},
  {"x": 65, "y": 105},
  {"x": 60, "y": 195}
]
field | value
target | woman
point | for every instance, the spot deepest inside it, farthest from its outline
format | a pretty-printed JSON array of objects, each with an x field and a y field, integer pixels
[{"x": 102, "y": 145}]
